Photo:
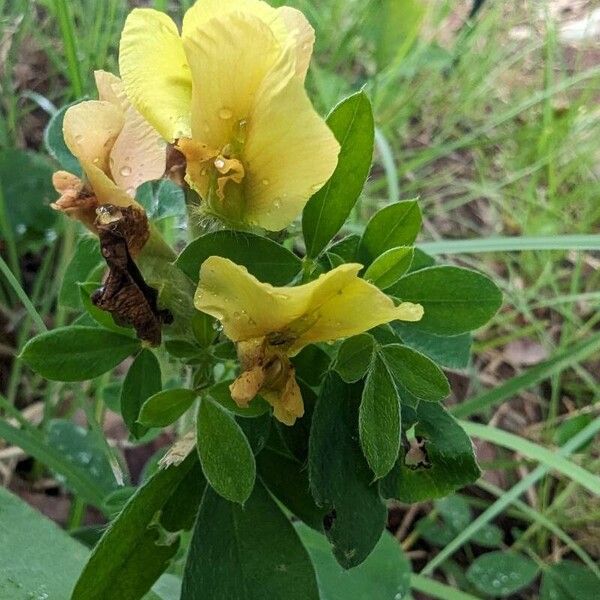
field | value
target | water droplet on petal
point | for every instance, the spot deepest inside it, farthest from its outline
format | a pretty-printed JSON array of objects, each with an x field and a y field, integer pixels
[
  {"x": 96, "y": 160},
  {"x": 225, "y": 113},
  {"x": 125, "y": 171},
  {"x": 219, "y": 163},
  {"x": 265, "y": 182},
  {"x": 79, "y": 138}
]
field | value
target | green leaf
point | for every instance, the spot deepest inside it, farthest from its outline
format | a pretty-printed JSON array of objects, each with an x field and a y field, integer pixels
[
  {"x": 225, "y": 454},
  {"x": 379, "y": 419},
  {"x": 385, "y": 575},
  {"x": 568, "y": 580},
  {"x": 455, "y": 511},
  {"x": 256, "y": 430},
  {"x": 76, "y": 478},
  {"x": 31, "y": 546},
  {"x": 311, "y": 364},
  {"x": 77, "y": 353},
  {"x": 448, "y": 462},
  {"x": 455, "y": 300},
  {"x": 102, "y": 317},
  {"x": 389, "y": 267},
  {"x": 55, "y": 142},
  {"x": 352, "y": 124},
  {"x": 134, "y": 550},
  {"x": 248, "y": 553},
  {"x": 170, "y": 200},
  {"x": 392, "y": 226},
  {"x": 265, "y": 259},
  {"x": 220, "y": 393},
  {"x": 86, "y": 259},
  {"x": 489, "y": 536},
  {"x": 449, "y": 351},
  {"x": 287, "y": 479},
  {"x": 354, "y": 357},
  {"x": 500, "y": 574},
  {"x": 163, "y": 408},
  {"x": 142, "y": 381},
  {"x": 340, "y": 477},
  {"x": 26, "y": 186},
  {"x": 80, "y": 448},
  {"x": 346, "y": 248},
  {"x": 416, "y": 373}
]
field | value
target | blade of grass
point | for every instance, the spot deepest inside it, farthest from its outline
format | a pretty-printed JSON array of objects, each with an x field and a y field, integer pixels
[
  {"x": 512, "y": 244},
  {"x": 389, "y": 165},
  {"x": 536, "y": 452},
  {"x": 67, "y": 30},
  {"x": 509, "y": 496},
  {"x": 544, "y": 521},
  {"x": 35, "y": 447},
  {"x": 435, "y": 589},
  {"x": 560, "y": 361},
  {"x": 12, "y": 281},
  {"x": 9, "y": 239}
]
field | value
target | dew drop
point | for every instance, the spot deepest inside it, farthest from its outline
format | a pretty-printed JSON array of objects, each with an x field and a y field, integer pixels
[
  {"x": 276, "y": 203},
  {"x": 125, "y": 171},
  {"x": 79, "y": 138},
  {"x": 219, "y": 163},
  {"x": 225, "y": 113},
  {"x": 96, "y": 160},
  {"x": 265, "y": 182}
]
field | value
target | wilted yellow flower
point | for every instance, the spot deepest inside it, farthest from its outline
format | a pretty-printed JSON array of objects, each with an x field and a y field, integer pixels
[
  {"x": 270, "y": 324},
  {"x": 117, "y": 149},
  {"x": 229, "y": 91}
]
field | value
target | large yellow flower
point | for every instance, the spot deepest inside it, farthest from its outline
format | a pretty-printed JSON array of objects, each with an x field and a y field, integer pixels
[
  {"x": 229, "y": 91},
  {"x": 270, "y": 324},
  {"x": 117, "y": 149}
]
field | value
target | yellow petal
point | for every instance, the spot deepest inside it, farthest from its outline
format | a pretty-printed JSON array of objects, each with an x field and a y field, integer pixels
[
  {"x": 229, "y": 58},
  {"x": 139, "y": 153},
  {"x": 290, "y": 154},
  {"x": 302, "y": 34},
  {"x": 287, "y": 402},
  {"x": 108, "y": 86},
  {"x": 90, "y": 130},
  {"x": 155, "y": 72},
  {"x": 336, "y": 305}
]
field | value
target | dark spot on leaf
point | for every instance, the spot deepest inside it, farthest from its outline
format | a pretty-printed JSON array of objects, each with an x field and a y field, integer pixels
[{"x": 329, "y": 519}]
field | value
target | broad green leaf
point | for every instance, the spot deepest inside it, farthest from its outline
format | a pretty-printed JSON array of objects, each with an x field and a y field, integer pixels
[
  {"x": 77, "y": 353},
  {"x": 267, "y": 260},
  {"x": 38, "y": 558},
  {"x": 416, "y": 373},
  {"x": 180, "y": 510},
  {"x": 340, "y": 478},
  {"x": 448, "y": 462},
  {"x": 311, "y": 364},
  {"x": 346, "y": 248},
  {"x": 287, "y": 479},
  {"x": 500, "y": 574},
  {"x": 455, "y": 300},
  {"x": 142, "y": 381},
  {"x": 452, "y": 352},
  {"x": 102, "y": 317},
  {"x": 134, "y": 550},
  {"x": 225, "y": 454},
  {"x": 256, "y": 430},
  {"x": 220, "y": 393},
  {"x": 568, "y": 580},
  {"x": 392, "y": 226},
  {"x": 389, "y": 267},
  {"x": 352, "y": 124},
  {"x": 203, "y": 328},
  {"x": 86, "y": 259},
  {"x": 385, "y": 575},
  {"x": 81, "y": 448},
  {"x": 26, "y": 187},
  {"x": 421, "y": 260},
  {"x": 246, "y": 553},
  {"x": 354, "y": 357},
  {"x": 170, "y": 200},
  {"x": 489, "y": 536},
  {"x": 455, "y": 511},
  {"x": 163, "y": 408},
  {"x": 55, "y": 142},
  {"x": 379, "y": 419}
]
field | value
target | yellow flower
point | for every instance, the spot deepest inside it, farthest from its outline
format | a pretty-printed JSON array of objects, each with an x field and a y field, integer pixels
[
  {"x": 270, "y": 324},
  {"x": 117, "y": 149},
  {"x": 229, "y": 91}
]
